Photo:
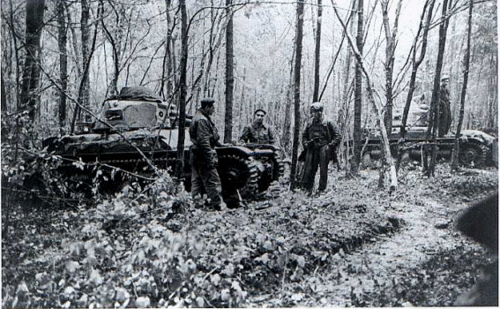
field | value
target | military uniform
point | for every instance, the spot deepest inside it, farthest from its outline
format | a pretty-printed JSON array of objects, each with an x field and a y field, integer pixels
[
  {"x": 444, "y": 111},
  {"x": 258, "y": 134},
  {"x": 204, "y": 160},
  {"x": 319, "y": 140}
]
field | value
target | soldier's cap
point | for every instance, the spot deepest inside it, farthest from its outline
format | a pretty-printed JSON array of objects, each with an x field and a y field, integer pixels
[
  {"x": 445, "y": 77},
  {"x": 317, "y": 106},
  {"x": 259, "y": 110},
  {"x": 207, "y": 101}
]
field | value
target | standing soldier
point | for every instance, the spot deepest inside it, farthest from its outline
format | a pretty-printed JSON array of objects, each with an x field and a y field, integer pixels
[
  {"x": 319, "y": 139},
  {"x": 444, "y": 107},
  {"x": 258, "y": 132},
  {"x": 203, "y": 157}
]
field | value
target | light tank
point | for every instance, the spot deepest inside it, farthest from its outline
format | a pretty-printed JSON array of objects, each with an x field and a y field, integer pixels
[
  {"x": 477, "y": 148},
  {"x": 137, "y": 127}
]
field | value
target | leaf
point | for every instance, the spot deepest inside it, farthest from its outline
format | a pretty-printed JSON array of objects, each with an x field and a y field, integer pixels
[
  {"x": 142, "y": 302},
  {"x": 82, "y": 302},
  {"x": 22, "y": 290},
  {"x": 95, "y": 277},
  {"x": 72, "y": 266},
  {"x": 268, "y": 245},
  {"x": 215, "y": 279},
  {"x": 225, "y": 294},
  {"x": 200, "y": 302},
  {"x": 228, "y": 270},
  {"x": 122, "y": 294},
  {"x": 301, "y": 261}
]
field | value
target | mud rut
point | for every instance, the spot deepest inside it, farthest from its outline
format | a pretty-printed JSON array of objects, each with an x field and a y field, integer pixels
[{"x": 380, "y": 260}]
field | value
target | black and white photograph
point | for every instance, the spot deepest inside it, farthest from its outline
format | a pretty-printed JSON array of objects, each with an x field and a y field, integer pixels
[{"x": 249, "y": 153}]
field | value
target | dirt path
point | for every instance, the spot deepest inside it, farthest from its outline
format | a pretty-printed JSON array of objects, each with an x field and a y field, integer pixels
[{"x": 384, "y": 261}]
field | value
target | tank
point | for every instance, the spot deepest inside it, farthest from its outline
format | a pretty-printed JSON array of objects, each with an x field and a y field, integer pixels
[
  {"x": 477, "y": 148},
  {"x": 137, "y": 132}
]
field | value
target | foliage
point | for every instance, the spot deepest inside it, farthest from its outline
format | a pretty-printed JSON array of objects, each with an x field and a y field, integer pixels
[{"x": 153, "y": 248}]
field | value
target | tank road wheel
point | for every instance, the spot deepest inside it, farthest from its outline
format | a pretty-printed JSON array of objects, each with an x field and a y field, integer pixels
[
  {"x": 473, "y": 155},
  {"x": 239, "y": 173}
]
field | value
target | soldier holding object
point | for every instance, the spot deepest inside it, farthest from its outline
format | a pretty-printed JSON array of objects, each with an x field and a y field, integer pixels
[{"x": 320, "y": 139}]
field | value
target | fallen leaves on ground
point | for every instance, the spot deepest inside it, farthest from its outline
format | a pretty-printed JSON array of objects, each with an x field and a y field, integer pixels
[{"x": 135, "y": 250}]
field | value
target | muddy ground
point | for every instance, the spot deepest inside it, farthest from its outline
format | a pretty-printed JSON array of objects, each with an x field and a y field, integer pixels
[{"x": 354, "y": 245}]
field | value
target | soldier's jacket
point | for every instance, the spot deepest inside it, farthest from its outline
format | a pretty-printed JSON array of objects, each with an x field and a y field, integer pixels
[
  {"x": 320, "y": 134},
  {"x": 205, "y": 137},
  {"x": 262, "y": 134}
]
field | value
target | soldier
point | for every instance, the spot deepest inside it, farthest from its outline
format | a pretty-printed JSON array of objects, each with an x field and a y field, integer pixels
[
  {"x": 320, "y": 138},
  {"x": 203, "y": 157},
  {"x": 444, "y": 107},
  {"x": 258, "y": 132}
]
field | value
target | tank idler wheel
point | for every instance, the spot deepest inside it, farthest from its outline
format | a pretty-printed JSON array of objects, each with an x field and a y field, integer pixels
[{"x": 473, "y": 155}]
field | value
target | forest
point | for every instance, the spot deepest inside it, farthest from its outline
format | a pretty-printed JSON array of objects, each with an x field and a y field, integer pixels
[{"x": 371, "y": 63}]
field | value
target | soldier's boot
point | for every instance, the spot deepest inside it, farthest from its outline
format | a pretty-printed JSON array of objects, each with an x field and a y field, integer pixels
[{"x": 231, "y": 198}]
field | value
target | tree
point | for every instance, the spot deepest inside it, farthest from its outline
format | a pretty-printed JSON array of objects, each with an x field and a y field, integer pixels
[
  {"x": 183, "y": 87},
  {"x": 228, "y": 119},
  {"x": 63, "y": 60},
  {"x": 434, "y": 119},
  {"x": 296, "y": 87},
  {"x": 84, "y": 94},
  {"x": 166, "y": 76},
  {"x": 456, "y": 145},
  {"x": 390, "y": 48},
  {"x": 317, "y": 53},
  {"x": 358, "y": 93},
  {"x": 31, "y": 70}
]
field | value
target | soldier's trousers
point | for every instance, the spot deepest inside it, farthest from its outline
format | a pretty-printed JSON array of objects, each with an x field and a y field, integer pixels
[
  {"x": 205, "y": 179},
  {"x": 316, "y": 157}
]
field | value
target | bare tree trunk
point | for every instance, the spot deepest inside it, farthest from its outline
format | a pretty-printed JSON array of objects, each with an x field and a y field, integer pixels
[
  {"x": 83, "y": 98},
  {"x": 317, "y": 53},
  {"x": 390, "y": 48},
  {"x": 358, "y": 94},
  {"x": 183, "y": 88},
  {"x": 296, "y": 88},
  {"x": 31, "y": 70},
  {"x": 456, "y": 146},
  {"x": 166, "y": 76},
  {"x": 228, "y": 119},
  {"x": 434, "y": 121},
  {"x": 3, "y": 97},
  {"x": 63, "y": 61},
  {"x": 115, "y": 45}
]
